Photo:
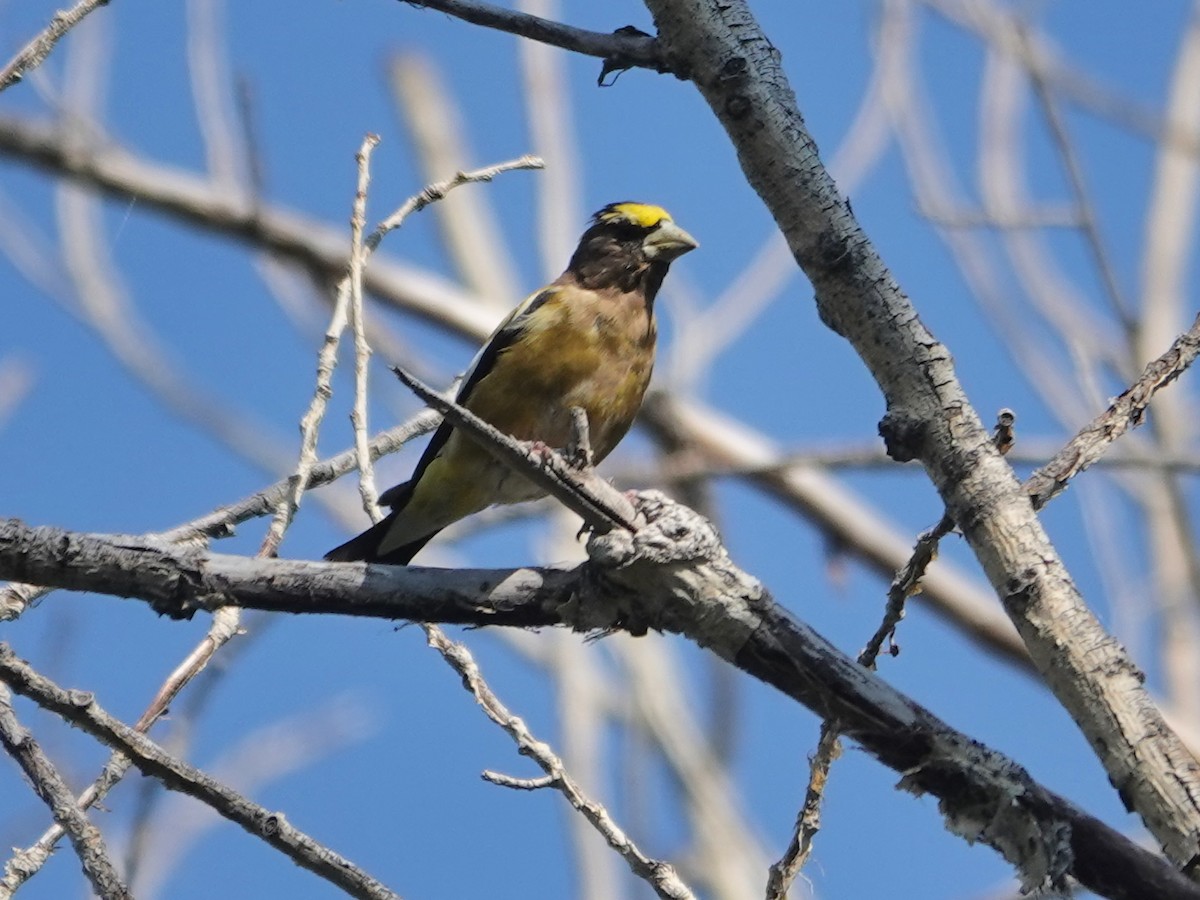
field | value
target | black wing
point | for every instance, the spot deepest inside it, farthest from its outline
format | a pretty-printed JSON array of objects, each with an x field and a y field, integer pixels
[{"x": 504, "y": 336}]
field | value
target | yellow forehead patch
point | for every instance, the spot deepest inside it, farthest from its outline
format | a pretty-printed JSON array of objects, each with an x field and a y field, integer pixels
[{"x": 644, "y": 215}]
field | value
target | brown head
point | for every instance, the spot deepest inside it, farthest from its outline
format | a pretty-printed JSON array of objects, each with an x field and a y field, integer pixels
[{"x": 629, "y": 246}]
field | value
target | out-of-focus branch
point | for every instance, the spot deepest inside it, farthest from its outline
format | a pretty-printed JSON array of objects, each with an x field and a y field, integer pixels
[
  {"x": 1168, "y": 254},
  {"x": 932, "y": 175},
  {"x": 261, "y": 758},
  {"x": 552, "y": 133},
  {"x": 199, "y": 202},
  {"x": 870, "y": 457},
  {"x": 1005, "y": 29},
  {"x": 1089, "y": 223},
  {"x": 1093, "y": 345},
  {"x": 725, "y": 851},
  {"x": 474, "y": 240},
  {"x": 16, "y": 380}
]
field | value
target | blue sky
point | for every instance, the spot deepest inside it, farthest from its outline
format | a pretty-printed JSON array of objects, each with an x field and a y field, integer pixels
[{"x": 90, "y": 448}]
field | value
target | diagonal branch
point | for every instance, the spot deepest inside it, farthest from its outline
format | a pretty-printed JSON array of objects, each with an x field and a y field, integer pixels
[
  {"x": 581, "y": 491},
  {"x": 1126, "y": 412},
  {"x": 671, "y": 576},
  {"x": 81, "y": 709},
  {"x": 624, "y": 48},
  {"x": 659, "y": 875},
  {"x": 48, "y": 784},
  {"x": 738, "y": 72},
  {"x": 35, "y": 52}
]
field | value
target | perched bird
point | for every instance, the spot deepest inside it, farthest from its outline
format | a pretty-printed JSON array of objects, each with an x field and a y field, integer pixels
[{"x": 586, "y": 340}]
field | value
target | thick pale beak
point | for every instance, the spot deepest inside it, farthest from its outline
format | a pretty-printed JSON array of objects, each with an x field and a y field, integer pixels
[{"x": 667, "y": 242}]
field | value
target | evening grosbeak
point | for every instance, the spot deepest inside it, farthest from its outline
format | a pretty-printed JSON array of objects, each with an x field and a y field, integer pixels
[{"x": 585, "y": 340}]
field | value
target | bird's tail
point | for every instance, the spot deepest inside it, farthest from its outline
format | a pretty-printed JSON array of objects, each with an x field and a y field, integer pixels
[{"x": 365, "y": 547}]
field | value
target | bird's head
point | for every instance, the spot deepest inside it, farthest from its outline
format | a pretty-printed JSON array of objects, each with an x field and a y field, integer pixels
[{"x": 626, "y": 242}]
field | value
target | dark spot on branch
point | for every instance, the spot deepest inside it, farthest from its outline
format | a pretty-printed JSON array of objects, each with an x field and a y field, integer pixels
[
  {"x": 737, "y": 106},
  {"x": 617, "y": 63},
  {"x": 734, "y": 69},
  {"x": 903, "y": 435},
  {"x": 832, "y": 252}
]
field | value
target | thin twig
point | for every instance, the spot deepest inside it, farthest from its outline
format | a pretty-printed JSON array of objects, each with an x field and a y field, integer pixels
[
  {"x": 81, "y": 709},
  {"x": 1085, "y": 209},
  {"x": 48, "y": 784},
  {"x": 327, "y": 358},
  {"x": 15, "y": 598},
  {"x": 520, "y": 784},
  {"x": 659, "y": 875},
  {"x": 35, "y": 52},
  {"x": 580, "y": 491},
  {"x": 904, "y": 585},
  {"x": 362, "y": 352},
  {"x": 434, "y": 119},
  {"x": 438, "y": 190},
  {"x": 1127, "y": 411}
]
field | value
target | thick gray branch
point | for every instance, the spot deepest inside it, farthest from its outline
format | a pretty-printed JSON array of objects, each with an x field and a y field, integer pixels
[
  {"x": 721, "y": 49},
  {"x": 672, "y": 576}
]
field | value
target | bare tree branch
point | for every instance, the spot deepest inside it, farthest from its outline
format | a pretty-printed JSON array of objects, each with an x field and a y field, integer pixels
[
  {"x": 659, "y": 875},
  {"x": 623, "y": 49},
  {"x": 737, "y": 70},
  {"x": 1126, "y": 412},
  {"x": 48, "y": 784},
  {"x": 581, "y": 491},
  {"x": 36, "y": 51},
  {"x": 673, "y": 576},
  {"x": 81, "y": 709}
]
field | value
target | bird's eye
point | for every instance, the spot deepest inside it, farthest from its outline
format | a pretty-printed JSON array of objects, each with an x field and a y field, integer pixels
[{"x": 629, "y": 231}]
